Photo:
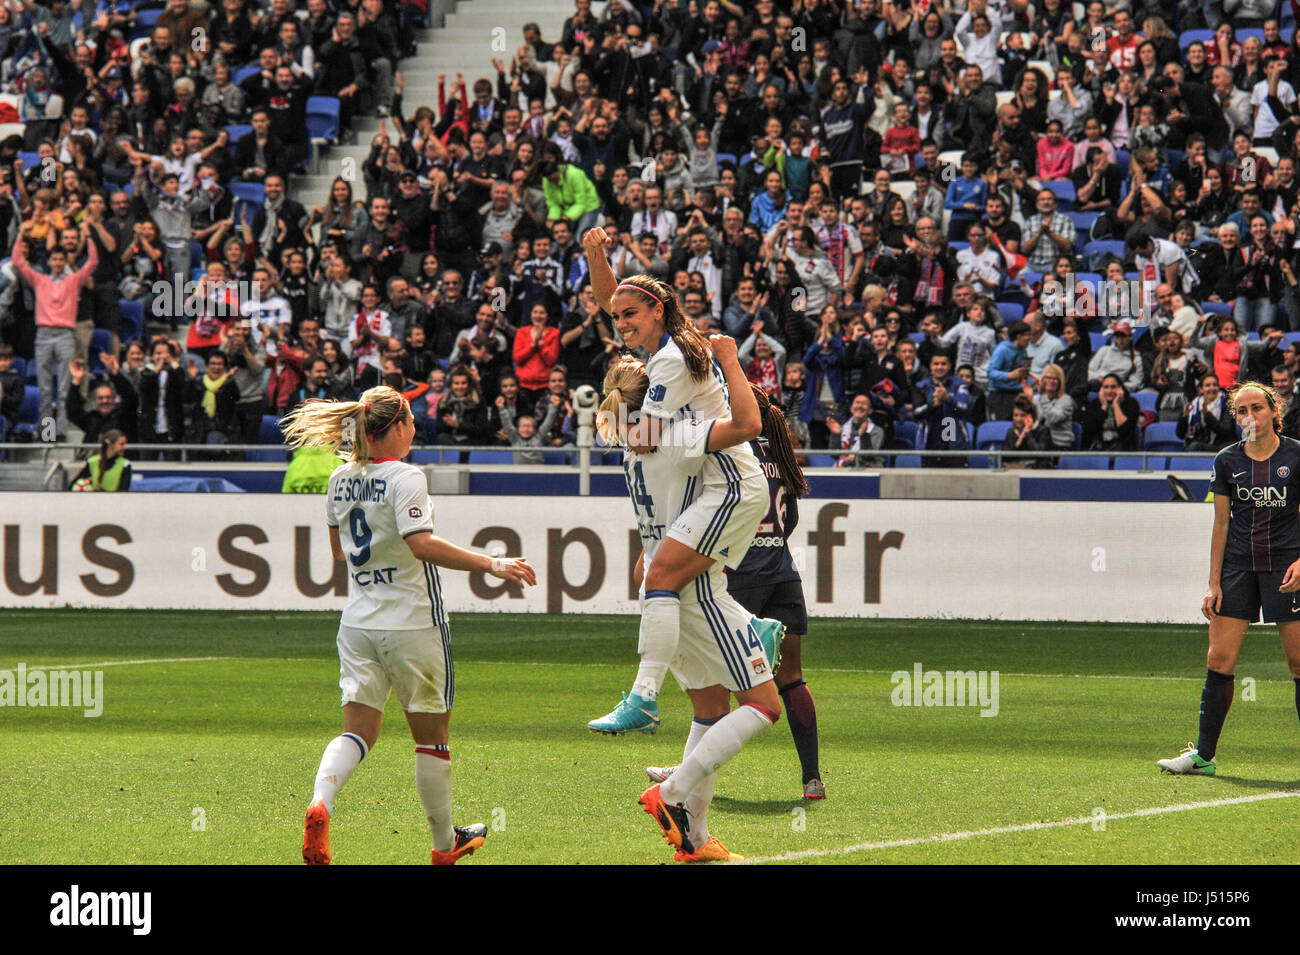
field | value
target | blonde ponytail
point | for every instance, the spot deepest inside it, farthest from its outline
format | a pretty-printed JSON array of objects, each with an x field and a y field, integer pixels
[
  {"x": 333, "y": 424},
  {"x": 626, "y": 383}
]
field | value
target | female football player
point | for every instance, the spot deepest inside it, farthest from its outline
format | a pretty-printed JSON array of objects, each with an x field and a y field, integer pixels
[
  {"x": 393, "y": 635},
  {"x": 720, "y": 651},
  {"x": 683, "y": 382},
  {"x": 767, "y": 584},
  {"x": 1254, "y": 559}
]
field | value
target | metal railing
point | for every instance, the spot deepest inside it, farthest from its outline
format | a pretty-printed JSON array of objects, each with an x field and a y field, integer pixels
[{"x": 451, "y": 454}]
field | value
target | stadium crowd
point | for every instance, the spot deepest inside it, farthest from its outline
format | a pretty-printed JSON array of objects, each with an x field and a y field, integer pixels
[{"x": 915, "y": 217}]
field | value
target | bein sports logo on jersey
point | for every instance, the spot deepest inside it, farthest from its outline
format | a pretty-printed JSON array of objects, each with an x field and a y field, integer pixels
[
  {"x": 1263, "y": 496},
  {"x": 415, "y": 513},
  {"x": 657, "y": 393}
]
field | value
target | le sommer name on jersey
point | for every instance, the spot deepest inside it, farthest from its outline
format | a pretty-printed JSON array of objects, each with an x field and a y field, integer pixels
[{"x": 362, "y": 490}]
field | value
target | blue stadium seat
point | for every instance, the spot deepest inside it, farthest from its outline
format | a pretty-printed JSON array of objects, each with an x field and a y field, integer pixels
[
  {"x": 427, "y": 456},
  {"x": 31, "y": 406},
  {"x": 822, "y": 461},
  {"x": 1217, "y": 308},
  {"x": 244, "y": 72},
  {"x": 491, "y": 457},
  {"x": 1134, "y": 463},
  {"x": 905, "y": 434},
  {"x": 917, "y": 337},
  {"x": 959, "y": 246},
  {"x": 1162, "y": 436},
  {"x": 727, "y": 157},
  {"x": 1147, "y": 400},
  {"x": 1188, "y": 37},
  {"x": 991, "y": 434},
  {"x": 248, "y": 196},
  {"x": 29, "y": 377},
  {"x": 236, "y": 132},
  {"x": 1010, "y": 311},
  {"x": 1099, "y": 341},
  {"x": 323, "y": 118},
  {"x": 30, "y": 160},
  {"x": 1095, "y": 251},
  {"x": 1077, "y": 428},
  {"x": 556, "y": 458},
  {"x": 101, "y": 340},
  {"x": 1065, "y": 194},
  {"x": 132, "y": 320},
  {"x": 907, "y": 460},
  {"x": 1071, "y": 463},
  {"x": 144, "y": 22},
  {"x": 269, "y": 431},
  {"x": 1191, "y": 464},
  {"x": 196, "y": 255},
  {"x": 1122, "y": 159},
  {"x": 1083, "y": 222},
  {"x": 20, "y": 365}
]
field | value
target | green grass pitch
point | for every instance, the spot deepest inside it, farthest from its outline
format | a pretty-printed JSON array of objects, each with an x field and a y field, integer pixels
[{"x": 212, "y": 761}]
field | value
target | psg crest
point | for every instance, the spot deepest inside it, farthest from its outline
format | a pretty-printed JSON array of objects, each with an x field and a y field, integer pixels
[{"x": 1283, "y": 472}]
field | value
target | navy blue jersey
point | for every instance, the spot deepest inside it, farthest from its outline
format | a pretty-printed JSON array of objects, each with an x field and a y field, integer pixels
[
  {"x": 1264, "y": 529},
  {"x": 768, "y": 560}
]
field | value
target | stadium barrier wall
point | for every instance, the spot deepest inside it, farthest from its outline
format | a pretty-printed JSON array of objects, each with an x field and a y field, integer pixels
[{"x": 1007, "y": 560}]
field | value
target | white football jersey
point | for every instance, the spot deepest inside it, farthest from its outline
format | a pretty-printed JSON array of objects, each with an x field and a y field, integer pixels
[
  {"x": 673, "y": 393},
  {"x": 665, "y": 482},
  {"x": 375, "y": 510}
]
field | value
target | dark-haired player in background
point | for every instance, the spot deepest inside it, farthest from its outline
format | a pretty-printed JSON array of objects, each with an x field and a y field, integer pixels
[
  {"x": 1254, "y": 559},
  {"x": 767, "y": 585}
]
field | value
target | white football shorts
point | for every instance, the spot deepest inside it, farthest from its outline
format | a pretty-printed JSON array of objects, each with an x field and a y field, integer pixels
[
  {"x": 721, "y": 523},
  {"x": 717, "y": 645},
  {"x": 414, "y": 664}
]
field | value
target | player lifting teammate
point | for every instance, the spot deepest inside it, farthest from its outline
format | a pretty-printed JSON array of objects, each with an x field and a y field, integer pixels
[
  {"x": 720, "y": 649},
  {"x": 683, "y": 382},
  {"x": 1254, "y": 559},
  {"x": 393, "y": 635}
]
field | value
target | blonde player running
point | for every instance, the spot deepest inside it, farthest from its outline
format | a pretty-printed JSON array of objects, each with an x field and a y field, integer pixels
[
  {"x": 684, "y": 381},
  {"x": 393, "y": 635},
  {"x": 719, "y": 650}
]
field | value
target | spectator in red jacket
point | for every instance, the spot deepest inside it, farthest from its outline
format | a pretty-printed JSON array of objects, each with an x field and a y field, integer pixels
[{"x": 537, "y": 350}]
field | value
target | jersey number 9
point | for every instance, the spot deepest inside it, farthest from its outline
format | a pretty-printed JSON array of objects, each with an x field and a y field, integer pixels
[{"x": 361, "y": 535}]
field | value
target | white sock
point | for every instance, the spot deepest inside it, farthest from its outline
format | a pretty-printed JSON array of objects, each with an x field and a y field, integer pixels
[
  {"x": 723, "y": 741},
  {"x": 697, "y": 803},
  {"x": 433, "y": 781},
  {"x": 660, "y": 628},
  {"x": 341, "y": 756}
]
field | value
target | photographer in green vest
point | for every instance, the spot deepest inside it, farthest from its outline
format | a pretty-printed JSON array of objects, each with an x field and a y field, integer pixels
[{"x": 109, "y": 470}]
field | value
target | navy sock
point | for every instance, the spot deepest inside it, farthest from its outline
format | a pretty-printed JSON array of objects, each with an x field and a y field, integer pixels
[
  {"x": 1216, "y": 698},
  {"x": 801, "y": 714}
]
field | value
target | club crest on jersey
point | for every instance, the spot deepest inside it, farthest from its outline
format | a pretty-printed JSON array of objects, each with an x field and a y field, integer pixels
[
  {"x": 415, "y": 513},
  {"x": 657, "y": 393},
  {"x": 760, "y": 666},
  {"x": 1284, "y": 472}
]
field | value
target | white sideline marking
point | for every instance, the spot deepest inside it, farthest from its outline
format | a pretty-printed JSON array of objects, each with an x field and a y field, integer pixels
[
  {"x": 1023, "y": 827},
  {"x": 122, "y": 663}
]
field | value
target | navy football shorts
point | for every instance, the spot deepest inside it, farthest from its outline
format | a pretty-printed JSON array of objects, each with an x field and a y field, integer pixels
[
  {"x": 783, "y": 601},
  {"x": 1247, "y": 592}
]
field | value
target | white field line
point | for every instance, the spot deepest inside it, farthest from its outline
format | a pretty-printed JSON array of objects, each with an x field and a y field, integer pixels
[
  {"x": 1023, "y": 827},
  {"x": 605, "y": 666},
  {"x": 120, "y": 663}
]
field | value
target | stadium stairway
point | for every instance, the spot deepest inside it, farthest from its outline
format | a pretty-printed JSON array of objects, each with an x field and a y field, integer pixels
[{"x": 463, "y": 44}]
